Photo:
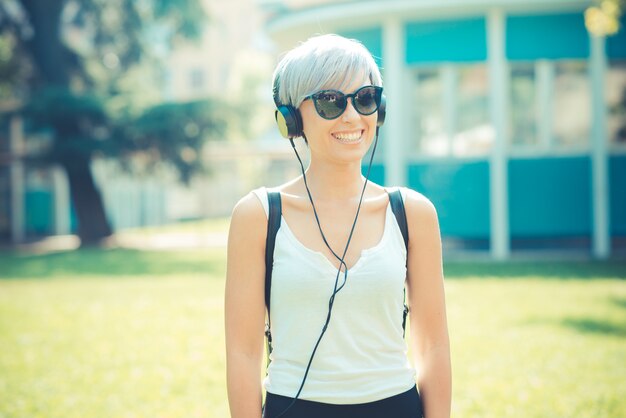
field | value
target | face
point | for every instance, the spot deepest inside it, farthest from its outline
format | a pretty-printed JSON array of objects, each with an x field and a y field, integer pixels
[{"x": 344, "y": 139}]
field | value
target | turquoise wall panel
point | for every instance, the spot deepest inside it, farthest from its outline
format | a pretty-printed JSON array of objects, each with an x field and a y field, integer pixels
[
  {"x": 460, "y": 192},
  {"x": 5, "y": 199},
  {"x": 377, "y": 173},
  {"x": 39, "y": 212},
  {"x": 372, "y": 39},
  {"x": 617, "y": 194},
  {"x": 73, "y": 219},
  {"x": 446, "y": 40},
  {"x": 616, "y": 44},
  {"x": 550, "y": 197},
  {"x": 546, "y": 36}
]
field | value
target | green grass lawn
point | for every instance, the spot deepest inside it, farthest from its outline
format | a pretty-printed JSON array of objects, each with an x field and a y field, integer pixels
[{"x": 123, "y": 333}]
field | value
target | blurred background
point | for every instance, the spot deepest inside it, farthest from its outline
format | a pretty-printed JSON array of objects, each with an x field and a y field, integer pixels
[
  {"x": 510, "y": 116},
  {"x": 129, "y": 129}
]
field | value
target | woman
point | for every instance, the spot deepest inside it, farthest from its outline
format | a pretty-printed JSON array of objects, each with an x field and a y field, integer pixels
[{"x": 340, "y": 264}]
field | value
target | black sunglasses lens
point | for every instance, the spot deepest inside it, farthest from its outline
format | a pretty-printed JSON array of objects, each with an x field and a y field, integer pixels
[
  {"x": 330, "y": 104},
  {"x": 367, "y": 100}
]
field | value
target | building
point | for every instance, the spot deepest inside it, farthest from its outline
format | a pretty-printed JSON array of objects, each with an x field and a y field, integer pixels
[{"x": 507, "y": 114}]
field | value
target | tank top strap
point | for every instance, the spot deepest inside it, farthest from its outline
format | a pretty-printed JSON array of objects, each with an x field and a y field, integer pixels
[{"x": 261, "y": 194}]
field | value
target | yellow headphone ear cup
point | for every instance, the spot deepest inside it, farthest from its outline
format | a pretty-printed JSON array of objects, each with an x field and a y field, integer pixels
[
  {"x": 289, "y": 122},
  {"x": 282, "y": 124}
]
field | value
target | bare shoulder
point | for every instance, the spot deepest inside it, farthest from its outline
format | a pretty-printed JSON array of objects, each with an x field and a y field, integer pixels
[
  {"x": 249, "y": 205},
  {"x": 421, "y": 213},
  {"x": 419, "y": 204},
  {"x": 248, "y": 217}
]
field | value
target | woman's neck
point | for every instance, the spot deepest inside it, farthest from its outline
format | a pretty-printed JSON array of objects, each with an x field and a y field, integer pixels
[{"x": 331, "y": 182}]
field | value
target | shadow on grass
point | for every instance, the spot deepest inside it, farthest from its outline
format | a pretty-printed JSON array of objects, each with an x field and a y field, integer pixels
[
  {"x": 112, "y": 262},
  {"x": 132, "y": 262},
  {"x": 621, "y": 302},
  {"x": 560, "y": 270},
  {"x": 593, "y": 326}
]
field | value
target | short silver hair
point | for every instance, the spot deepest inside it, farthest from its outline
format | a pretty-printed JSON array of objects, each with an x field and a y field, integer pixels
[{"x": 322, "y": 62}]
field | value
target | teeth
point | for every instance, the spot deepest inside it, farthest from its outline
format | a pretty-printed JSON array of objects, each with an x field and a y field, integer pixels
[{"x": 348, "y": 137}]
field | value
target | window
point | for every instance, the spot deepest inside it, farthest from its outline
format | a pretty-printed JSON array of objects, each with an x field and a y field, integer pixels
[
  {"x": 196, "y": 78},
  {"x": 474, "y": 134},
  {"x": 572, "y": 104},
  {"x": 523, "y": 110},
  {"x": 451, "y": 111},
  {"x": 615, "y": 95},
  {"x": 550, "y": 104},
  {"x": 429, "y": 129}
]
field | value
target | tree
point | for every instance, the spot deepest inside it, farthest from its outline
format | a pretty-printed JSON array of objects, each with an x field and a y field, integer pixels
[
  {"x": 602, "y": 18},
  {"x": 77, "y": 53}
]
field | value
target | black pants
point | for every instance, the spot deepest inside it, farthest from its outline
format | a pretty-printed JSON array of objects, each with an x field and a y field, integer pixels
[{"x": 404, "y": 405}]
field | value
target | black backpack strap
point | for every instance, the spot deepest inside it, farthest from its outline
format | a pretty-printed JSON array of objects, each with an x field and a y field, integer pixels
[
  {"x": 273, "y": 224},
  {"x": 397, "y": 206}
]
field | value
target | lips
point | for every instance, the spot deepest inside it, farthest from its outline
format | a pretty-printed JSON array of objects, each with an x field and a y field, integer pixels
[{"x": 348, "y": 137}]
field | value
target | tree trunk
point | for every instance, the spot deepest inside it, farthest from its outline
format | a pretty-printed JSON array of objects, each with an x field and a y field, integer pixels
[
  {"x": 55, "y": 63},
  {"x": 93, "y": 226}
]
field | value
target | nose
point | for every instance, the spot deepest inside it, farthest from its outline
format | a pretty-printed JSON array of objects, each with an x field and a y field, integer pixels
[{"x": 350, "y": 112}]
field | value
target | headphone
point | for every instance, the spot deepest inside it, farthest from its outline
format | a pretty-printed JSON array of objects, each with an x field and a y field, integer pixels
[{"x": 289, "y": 120}]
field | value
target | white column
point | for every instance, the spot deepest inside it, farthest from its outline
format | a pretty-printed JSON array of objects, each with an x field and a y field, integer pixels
[
  {"x": 498, "y": 102},
  {"x": 393, "y": 63},
  {"x": 17, "y": 174},
  {"x": 61, "y": 202},
  {"x": 449, "y": 78},
  {"x": 601, "y": 236}
]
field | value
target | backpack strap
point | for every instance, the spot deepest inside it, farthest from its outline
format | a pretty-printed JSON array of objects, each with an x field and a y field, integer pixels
[
  {"x": 273, "y": 224},
  {"x": 397, "y": 206}
]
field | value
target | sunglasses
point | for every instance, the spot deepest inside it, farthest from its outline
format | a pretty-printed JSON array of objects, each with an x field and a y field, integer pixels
[{"x": 330, "y": 104}]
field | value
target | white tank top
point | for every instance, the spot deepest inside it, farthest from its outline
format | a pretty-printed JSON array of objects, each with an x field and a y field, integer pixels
[{"x": 363, "y": 355}]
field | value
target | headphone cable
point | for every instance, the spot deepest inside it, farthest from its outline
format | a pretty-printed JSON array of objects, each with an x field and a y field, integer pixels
[{"x": 336, "y": 289}]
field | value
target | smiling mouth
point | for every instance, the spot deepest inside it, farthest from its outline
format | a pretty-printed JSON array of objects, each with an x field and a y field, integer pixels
[{"x": 348, "y": 137}]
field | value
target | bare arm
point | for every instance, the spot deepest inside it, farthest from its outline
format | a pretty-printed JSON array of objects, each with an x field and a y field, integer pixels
[
  {"x": 245, "y": 307},
  {"x": 429, "y": 330}
]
